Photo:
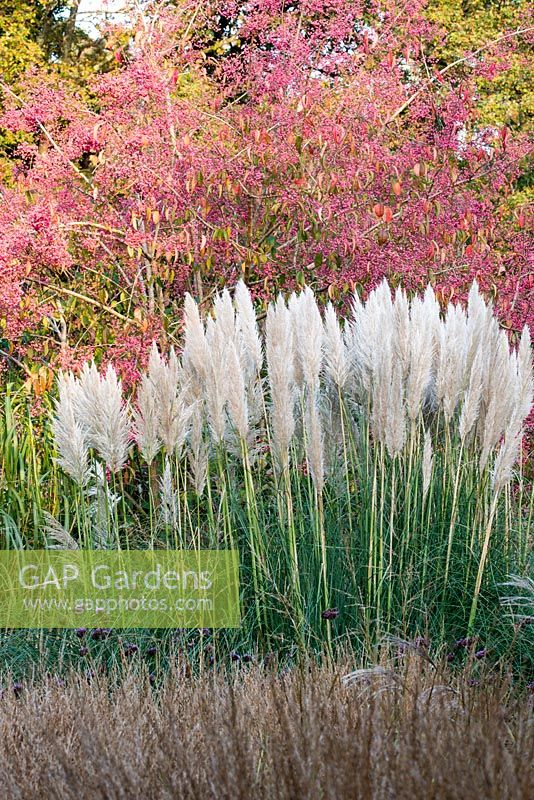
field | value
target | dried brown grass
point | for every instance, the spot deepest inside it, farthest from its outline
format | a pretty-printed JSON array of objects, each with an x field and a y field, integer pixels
[{"x": 390, "y": 733}]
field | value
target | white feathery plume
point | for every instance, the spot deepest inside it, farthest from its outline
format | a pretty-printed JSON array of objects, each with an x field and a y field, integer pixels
[
  {"x": 429, "y": 297},
  {"x": 195, "y": 353},
  {"x": 510, "y": 447},
  {"x": 99, "y": 405},
  {"x": 428, "y": 462},
  {"x": 433, "y": 315},
  {"x": 224, "y": 313},
  {"x": 451, "y": 360},
  {"x": 479, "y": 321},
  {"x": 359, "y": 341},
  {"x": 507, "y": 456},
  {"x": 471, "y": 403},
  {"x": 422, "y": 324},
  {"x": 395, "y": 424},
  {"x": 335, "y": 365},
  {"x": 354, "y": 383},
  {"x": 480, "y": 333},
  {"x": 58, "y": 534},
  {"x": 250, "y": 352},
  {"x": 500, "y": 395},
  {"x": 524, "y": 378},
  {"x": 489, "y": 345},
  {"x": 365, "y": 338},
  {"x": 377, "y": 323},
  {"x": 216, "y": 386},
  {"x": 295, "y": 310},
  {"x": 308, "y": 337},
  {"x": 379, "y": 327},
  {"x": 381, "y": 390},
  {"x": 145, "y": 421},
  {"x": 280, "y": 365},
  {"x": 522, "y": 387},
  {"x": 237, "y": 398},
  {"x": 69, "y": 435},
  {"x": 250, "y": 348},
  {"x": 170, "y": 400},
  {"x": 308, "y": 327},
  {"x": 379, "y": 301}
]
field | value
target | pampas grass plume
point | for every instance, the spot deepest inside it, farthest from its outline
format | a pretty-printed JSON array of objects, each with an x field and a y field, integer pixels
[
  {"x": 100, "y": 406},
  {"x": 280, "y": 365},
  {"x": 169, "y": 391},
  {"x": 69, "y": 435},
  {"x": 336, "y": 366},
  {"x": 145, "y": 422},
  {"x": 250, "y": 347},
  {"x": 237, "y": 399}
]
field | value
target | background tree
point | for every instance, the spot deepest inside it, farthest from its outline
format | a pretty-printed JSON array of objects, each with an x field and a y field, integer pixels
[
  {"x": 319, "y": 143},
  {"x": 506, "y": 95},
  {"x": 44, "y": 35}
]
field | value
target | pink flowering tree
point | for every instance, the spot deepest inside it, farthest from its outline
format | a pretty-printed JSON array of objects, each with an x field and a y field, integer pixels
[{"x": 314, "y": 141}]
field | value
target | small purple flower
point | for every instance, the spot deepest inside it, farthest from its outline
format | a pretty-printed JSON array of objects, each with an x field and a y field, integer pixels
[
  {"x": 130, "y": 649},
  {"x": 467, "y": 641},
  {"x": 80, "y": 632},
  {"x": 450, "y": 657},
  {"x": 152, "y": 650},
  {"x": 17, "y": 688},
  {"x": 235, "y": 656},
  {"x": 481, "y": 653},
  {"x": 330, "y": 613},
  {"x": 530, "y": 686},
  {"x": 101, "y": 633},
  {"x": 247, "y": 658},
  {"x": 84, "y": 651}
]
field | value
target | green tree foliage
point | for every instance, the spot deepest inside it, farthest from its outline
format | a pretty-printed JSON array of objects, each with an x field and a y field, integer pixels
[
  {"x": 44, "y": 32},
  {"x": 19, "y": 38},
  {"x": 472, "y": 24}
]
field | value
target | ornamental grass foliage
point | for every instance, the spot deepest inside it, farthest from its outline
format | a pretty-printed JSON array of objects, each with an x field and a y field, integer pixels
[
  {"x": 369, "y": 471},
  {"x": 403, "y": 729}
]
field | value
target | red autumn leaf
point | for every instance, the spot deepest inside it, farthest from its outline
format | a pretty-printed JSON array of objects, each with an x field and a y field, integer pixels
[{"x": 378, "y": 210}]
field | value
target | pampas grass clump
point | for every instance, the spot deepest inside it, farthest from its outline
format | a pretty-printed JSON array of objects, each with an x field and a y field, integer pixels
[{"x": 371, "y": 465}]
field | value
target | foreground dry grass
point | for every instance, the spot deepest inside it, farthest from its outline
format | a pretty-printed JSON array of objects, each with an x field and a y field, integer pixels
[{"x": 407, "y": 733}]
